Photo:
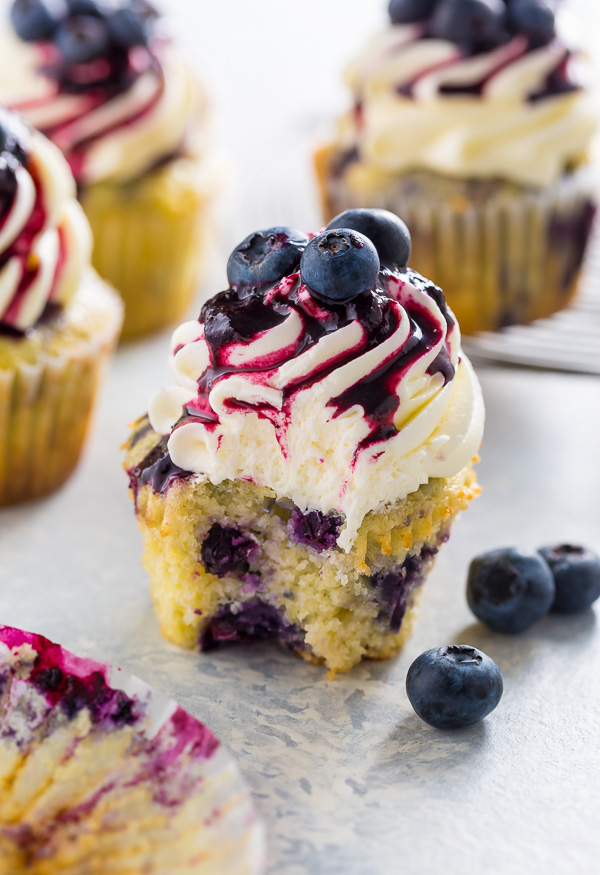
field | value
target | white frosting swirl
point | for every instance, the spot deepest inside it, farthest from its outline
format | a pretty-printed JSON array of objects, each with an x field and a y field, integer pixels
[
  {"x": 347, "y": 421},
  {"x": 114, "y": 137},
  {"x": 45, "y": 239},
  {"x": 407, "y": 120}
]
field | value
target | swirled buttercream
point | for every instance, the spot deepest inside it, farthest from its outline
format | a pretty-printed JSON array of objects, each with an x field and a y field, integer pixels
[
  {"x": 45, "y": 241},
  {"x": 514, "y": 112},
  {"x": 336, "y": 407},
  {"x": 114, "y": 131}
]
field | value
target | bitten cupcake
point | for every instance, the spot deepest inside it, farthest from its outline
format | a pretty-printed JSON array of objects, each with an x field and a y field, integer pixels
[
  {"x": 58, "y": 321},
  {"x": 105, "y": 83},
  {"x": 476, "y": 121},
  {"x": 298, "y": 480}
]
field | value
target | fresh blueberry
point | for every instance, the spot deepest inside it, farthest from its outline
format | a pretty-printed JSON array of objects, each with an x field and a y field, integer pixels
[
  {"x": 266, "y": 256},
  {"x": 8, "y": 181},
  {"x": 83, "y": 39},
  {"x": 534, "y": 19},
  {"x": 315, "y": 529},
  {"x": 339, "y": 265},
  {"x": 454, "y": 686},
  {"x": 227, "y": 550},
  {"x": 37, "y": 19},
  {"x": 407, "y": 11},
  {"x": 509, "y": 589},
  {"x": 130, "y": 28},
  {"x": 576, "y": 572},
  {"x": 474, "y": 25},
  {"x": 388, "y": 233},
  {"x": 97, "y": 8}
]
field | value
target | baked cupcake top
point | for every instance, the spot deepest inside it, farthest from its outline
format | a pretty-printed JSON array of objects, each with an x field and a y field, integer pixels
[
  {"x": 103, "y": 81},
  {"x": 329, "y": 371},
  {"x": 473, "y": 88},
  {"x": 94, "y": 760},
  {"x": 45, "y": 241}
]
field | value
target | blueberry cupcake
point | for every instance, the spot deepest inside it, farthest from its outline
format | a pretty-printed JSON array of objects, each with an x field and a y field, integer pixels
[
  {"x": 105, "y": 83},
  {"x": 58, "y": 321},
  {"x": 102, "y": 774},
  {"x": 477, "y": 121},
  {"x": 299, "y": 478}
]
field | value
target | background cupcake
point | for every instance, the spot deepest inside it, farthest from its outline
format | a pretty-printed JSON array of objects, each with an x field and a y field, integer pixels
[
  {"x": 299, "y": 479},
  {"x": 475, "y": 120},
  {"x": 106, "y": 84},
  {"x": 58, "y": 321}
]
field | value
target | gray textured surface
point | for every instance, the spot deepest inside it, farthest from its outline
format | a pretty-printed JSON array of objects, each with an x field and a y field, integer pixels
[{"x": 347, "y": 778}]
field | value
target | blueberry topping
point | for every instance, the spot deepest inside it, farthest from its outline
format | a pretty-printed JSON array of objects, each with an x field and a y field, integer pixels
[
  {"x": 339, "y": 265},
  {"x": 388, "y": 233},
  {"x": 576, "y": 572},
  {"x": 83, "y": 39},
  {"x": 266, "y": 256},
  {"x": 8, "y": 181},
  {"x": 475, "y": 25},
  {"x": 315, "y": 529},
  {"x": 227, "y": 550},
  {"x": 98, "y": 8},
  {"x": 509, "y": 589},
  {"x": 534, "y": 19},
  {"x": 454, "y": 686},
  {"x": 37, "y": 19},
  {"x": 14, "y": 135},
  {"x": 129, "y": 28},
  {"x": 407, "y": 11}
]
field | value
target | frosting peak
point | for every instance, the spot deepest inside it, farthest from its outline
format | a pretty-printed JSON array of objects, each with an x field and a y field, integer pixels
[
  {"x": 45, "y": 242},
  {"x": 337, "y": 406}
]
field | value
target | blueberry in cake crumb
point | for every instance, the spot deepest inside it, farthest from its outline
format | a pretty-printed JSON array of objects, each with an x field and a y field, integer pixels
[
  {"x": 576, "y": 572},
  {"x": 510, "y": 589},
  {"x": 255, "y": 620},
  {"x": 226, "y": 549},
  {"x": 37, "y": 19},
  {"x": 339, "y": 265},
  {"x": 315, "y": 529},
  {"x": 385, "y": 230},
  {"x": 407, "y": 11},
  {"x": 266, "y": 256},
  {"x": 454, "y": 686}
]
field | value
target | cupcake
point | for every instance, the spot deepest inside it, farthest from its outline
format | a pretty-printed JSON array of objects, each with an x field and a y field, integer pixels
[
  {"x": 58, "y": 321},
  {"x": 104, "y": 82},
  {"x": 476, "y": 121},
  {"x": 299, "y": 478},
  {"x": 101, "y": 774}
]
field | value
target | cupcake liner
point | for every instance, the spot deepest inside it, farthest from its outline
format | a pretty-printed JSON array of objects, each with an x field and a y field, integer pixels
[
  {"x": 330, "y": 607},
  {"x": 503, "y": 254},
  {"x": 48, "y": 381},
  {"x": 102, "y": 774},
  {"x": 149, "y": 240}
]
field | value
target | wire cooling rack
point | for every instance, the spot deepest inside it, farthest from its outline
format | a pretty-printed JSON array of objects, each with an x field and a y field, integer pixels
[{"x": 567, "y": 341}]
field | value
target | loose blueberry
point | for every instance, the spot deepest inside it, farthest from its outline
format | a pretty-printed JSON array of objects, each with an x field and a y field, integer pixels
[
  {"x": 227, "y": 550},
  {"x": 83, "y": 39},
  {"x": 509, "y": 589},
  {"x": 576, "y": 572},
  {"x": 266, "y": 256},
  {"x": 454, "y": 686},
  {"x": 407, "y": 11},
  {"x": 534, "y": 19},
  {"x": 388, "y": 233},
  {"x": 37, "y": 19},
  {"x": 339, "y": 265},
  {"x": 475, "y": 25}
]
